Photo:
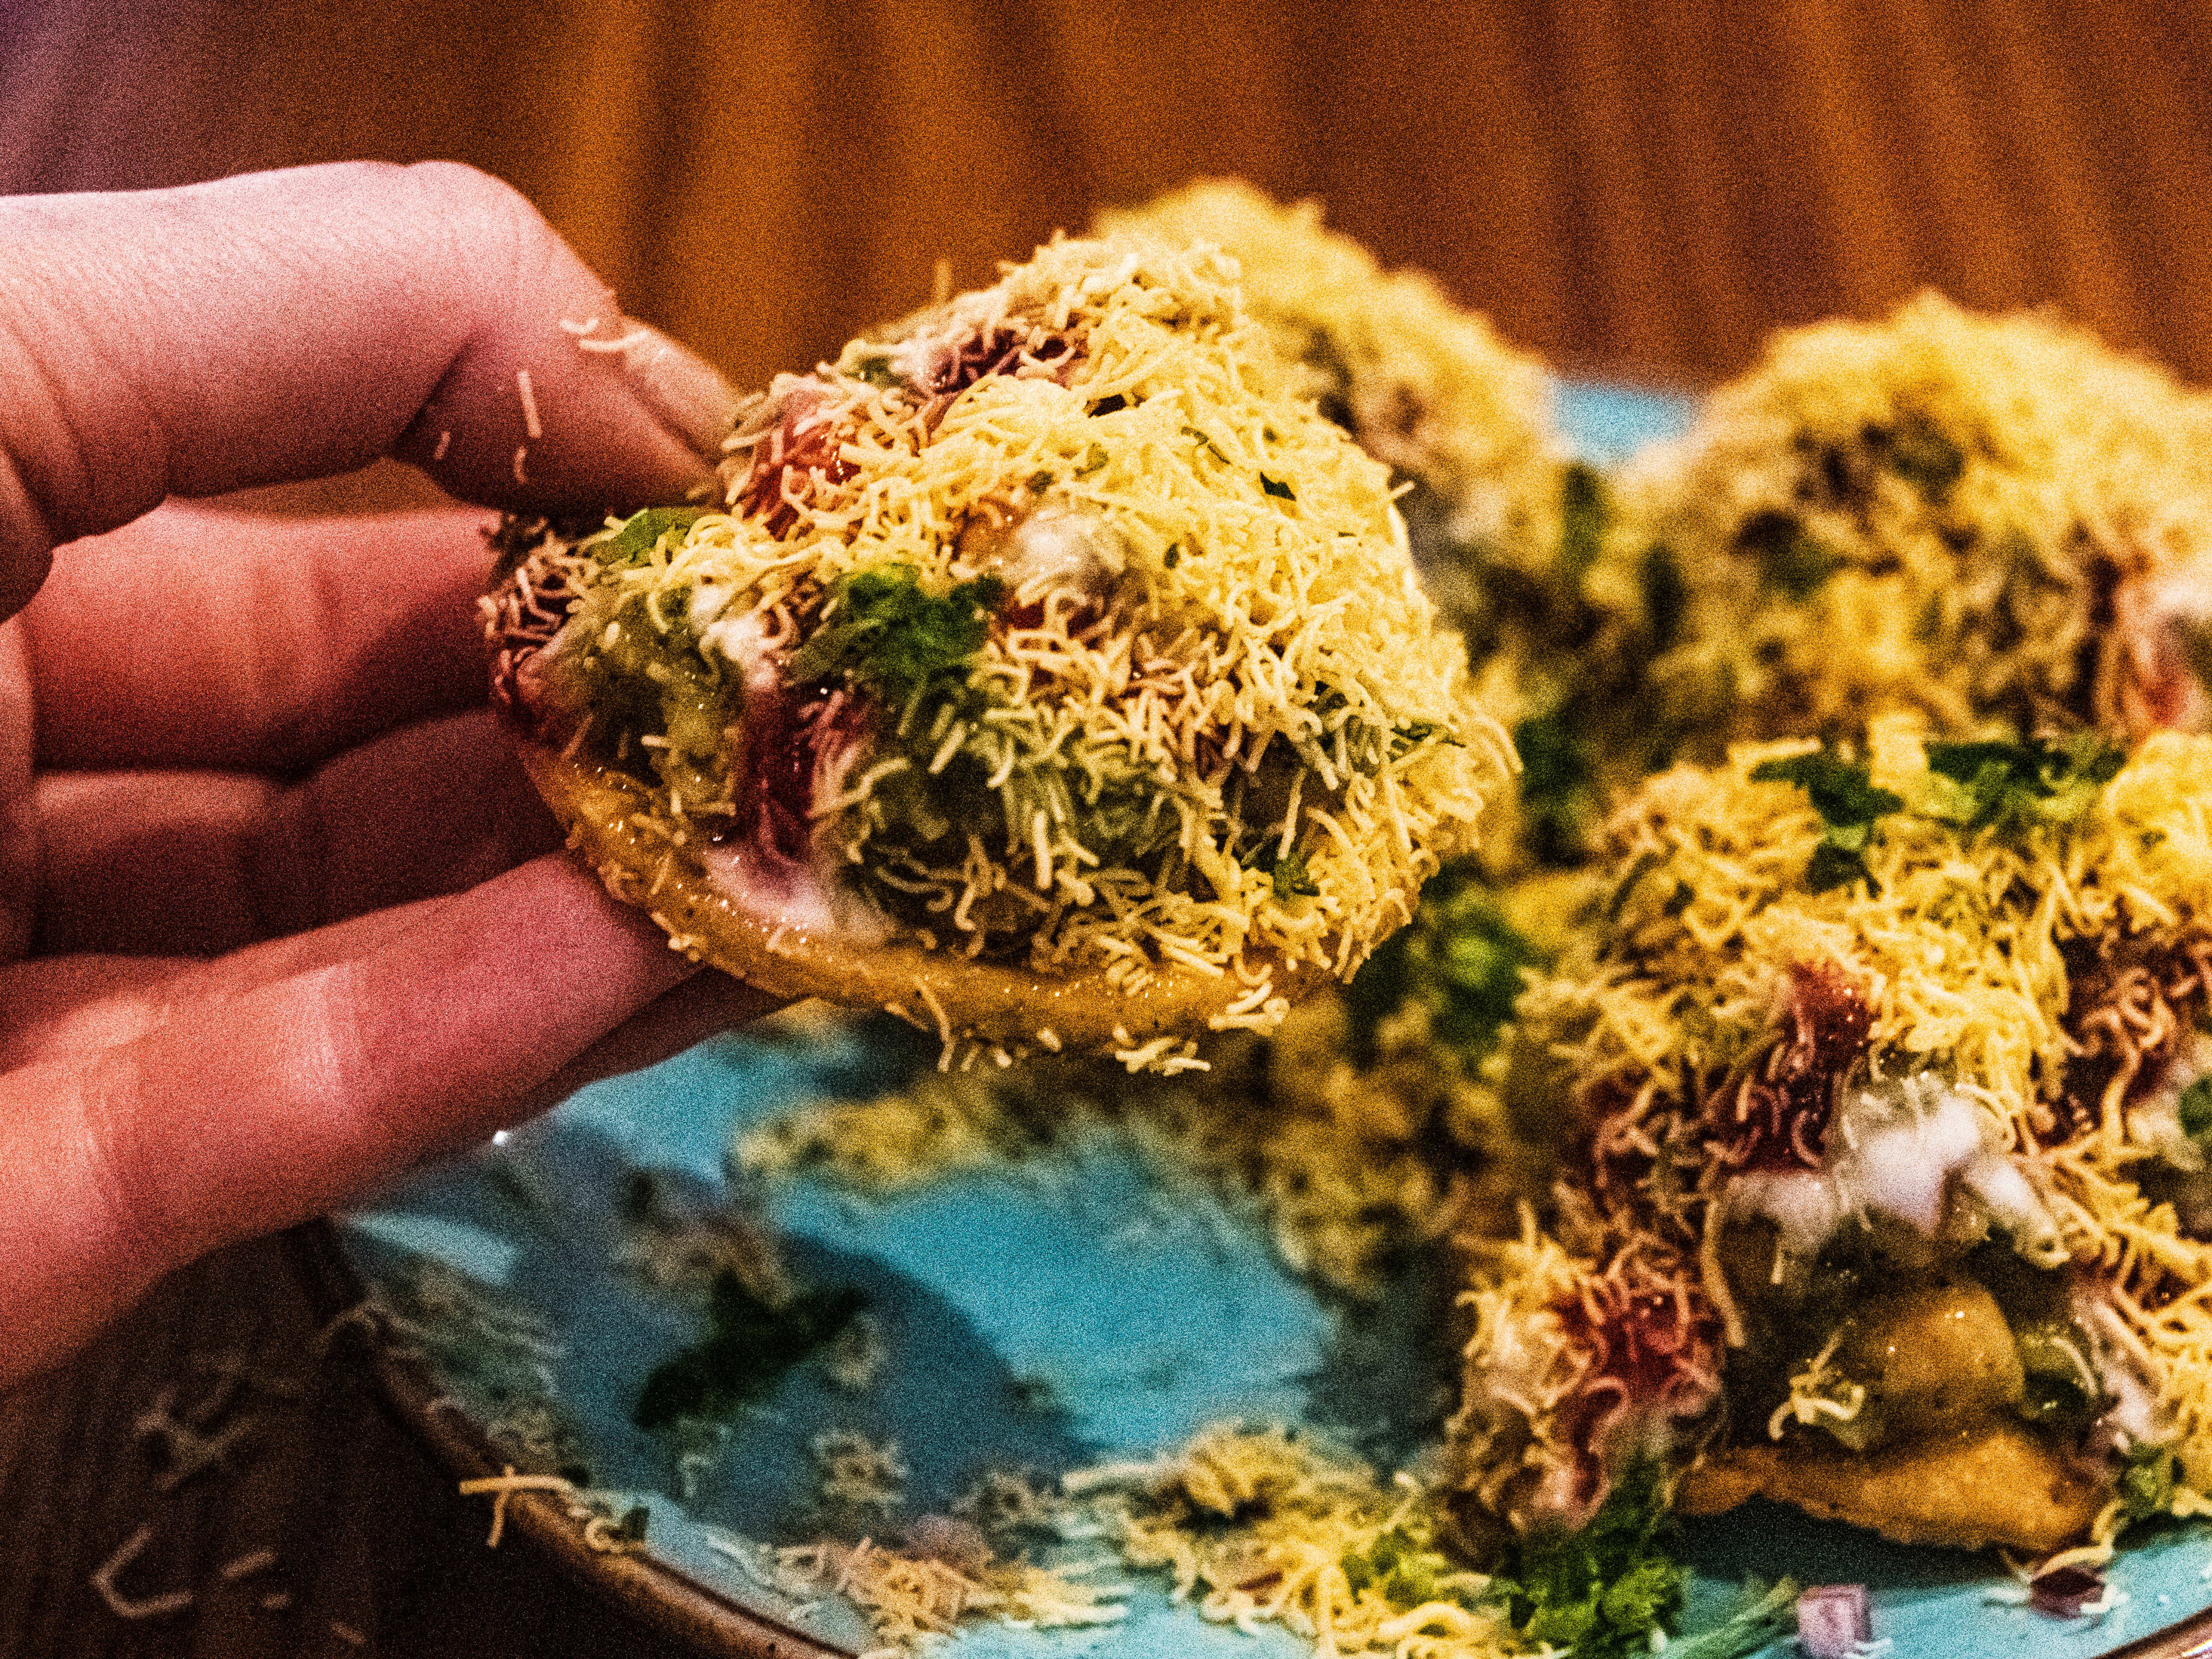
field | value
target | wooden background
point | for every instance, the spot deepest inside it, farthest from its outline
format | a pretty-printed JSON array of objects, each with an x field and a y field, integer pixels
[
  {"x": 1641, "y": 190},
  {"x": 1644, "y": 188}
]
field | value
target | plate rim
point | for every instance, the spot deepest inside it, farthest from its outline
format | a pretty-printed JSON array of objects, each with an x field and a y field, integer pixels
[{"x": 662, "y": 1595}]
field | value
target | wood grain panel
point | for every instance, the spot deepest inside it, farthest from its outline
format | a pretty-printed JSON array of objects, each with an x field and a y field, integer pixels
[{"x": 1646, "y": 187}]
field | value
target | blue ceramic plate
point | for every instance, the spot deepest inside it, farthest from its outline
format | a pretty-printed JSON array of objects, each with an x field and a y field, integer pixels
[{"x": 1081, "y": 1309}]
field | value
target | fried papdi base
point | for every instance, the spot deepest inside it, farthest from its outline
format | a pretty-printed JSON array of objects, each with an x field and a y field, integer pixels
[
  {"x": 1998, "y": 1485},
  {"x": 606, "y": 815}
]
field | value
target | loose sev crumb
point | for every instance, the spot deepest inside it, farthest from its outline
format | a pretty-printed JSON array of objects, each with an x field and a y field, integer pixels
[
  {"x": 600, "y": 1530},
  {"x": 531, "y": 424},
  {"x": 245, "y": 1566},
  {"x": 503, "y": 1486},
  {"x": 124, "y": 1607}
]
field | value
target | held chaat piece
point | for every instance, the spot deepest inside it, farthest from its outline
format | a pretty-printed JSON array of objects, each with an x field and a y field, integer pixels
[
  {"x": 1886, "y": 1190},
  {"x": 1052, "y": 672}
]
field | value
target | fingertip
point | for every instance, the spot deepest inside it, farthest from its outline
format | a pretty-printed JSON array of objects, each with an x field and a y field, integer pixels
[
  {"x": 284, "y": 325},
  {"x": 559, "y": 401}
]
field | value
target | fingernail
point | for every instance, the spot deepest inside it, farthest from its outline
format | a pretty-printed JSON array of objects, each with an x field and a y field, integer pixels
[{"x": 689, "y": 398}]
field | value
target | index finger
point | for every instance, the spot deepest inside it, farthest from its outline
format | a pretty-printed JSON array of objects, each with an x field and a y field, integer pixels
[{"x": 292, "y": 324}]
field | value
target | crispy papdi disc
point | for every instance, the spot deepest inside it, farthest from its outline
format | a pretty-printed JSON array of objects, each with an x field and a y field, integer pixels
[
  {"x": 1998, "y": 1485},
  {"x": 987, "y": 1002}
]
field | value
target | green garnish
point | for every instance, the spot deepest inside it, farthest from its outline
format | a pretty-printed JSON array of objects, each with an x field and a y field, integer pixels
[
  {"x": 1204, "y": 443},
  {"x": 1848, "y": 805},
  {"x": 1408, "y": 1571},
  {"x": 2146, "y": 1481},
  {"x": 1093, "y": 459},
  {"x": 1460, "y": 957},
  {"x": 1582, "y": 510},
  {"x": 1792, "y": 561},
  {"x": 1604, "y": 1590},
  {"x": 1558, "y": 786},
  {"x": 748, "y": 1347},
  {"x": 886, "y": 633},
  {"x": 1920, "y": 454},
  {"x": 1666, "y": 596},
  {"x": 2011, "y": 787},
  {"x": 1278, "y": 489},
  {"x": 1291, "y": 878},
  {"x": 2195, "y": 1108},
  {"x": 641, "y": 532}
]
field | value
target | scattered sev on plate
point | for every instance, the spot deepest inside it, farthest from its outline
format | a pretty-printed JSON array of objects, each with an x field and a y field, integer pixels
[{"x": 1051, "y": 672}]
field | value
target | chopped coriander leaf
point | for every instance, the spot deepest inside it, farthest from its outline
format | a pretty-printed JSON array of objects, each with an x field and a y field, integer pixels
[
  {"x": 1832, "y": 867},
  {"x": 1848, "y": 804},
  {"x": 889, "y": 636},
  {"x": 1666, "y": 596},
  {"x": 2196, "y": 1106},
  {"x": 1205, "y": 442},
  {"x": 2146, "y": 1485},
  {"x": 1460, "y": 957},
  {"x": 1791, "y": 560},
  {"x": 1406, "y": 1571},
  {"x": 1558, "y": 786},
  {"x": 633, "y": 544},
  {"x": 2011, "y": 787},
  {"x": 748, "y": 1347},
  {"x": 1840, "y": 790},
  {"x": 1583, "y": 508},
  {"x": 1288, "y": 870},
  {"x": 1291, "y": 878},
  {"x": 1920, "y": 454},
  {"x": 1603, "y": 1591},
  {"x": 1093, "y": 459},
  {"x": 876, "y": 370},
  {"x": 1278, "y": 489}
]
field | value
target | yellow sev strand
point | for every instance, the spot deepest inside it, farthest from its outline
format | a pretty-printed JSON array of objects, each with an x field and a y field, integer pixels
[{"x": 502, "y": 1487}]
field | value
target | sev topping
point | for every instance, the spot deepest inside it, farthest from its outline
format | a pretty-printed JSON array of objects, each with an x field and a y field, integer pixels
[
  {"x": 1426, "y": 387},
  {"x": 1982, "y": 517}
]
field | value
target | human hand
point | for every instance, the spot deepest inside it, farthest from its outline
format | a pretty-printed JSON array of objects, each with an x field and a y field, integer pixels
[{"x": 270, "y": 926}]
